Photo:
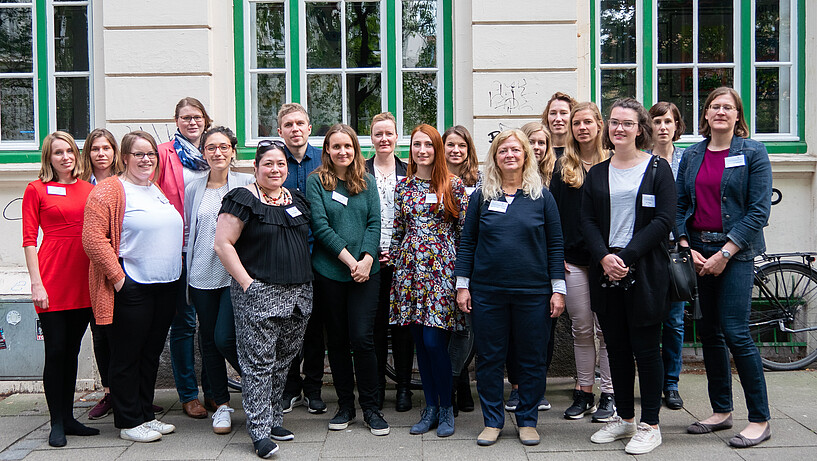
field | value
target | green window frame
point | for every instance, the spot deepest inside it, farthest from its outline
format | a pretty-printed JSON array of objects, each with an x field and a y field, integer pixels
[
  {"x": 277, "y": 64},
  {"x": 627, "y": 59},
  {"x": 59, "y": 34}
]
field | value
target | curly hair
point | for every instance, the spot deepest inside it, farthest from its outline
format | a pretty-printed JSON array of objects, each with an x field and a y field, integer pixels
[{"x": 531, "y": 180}]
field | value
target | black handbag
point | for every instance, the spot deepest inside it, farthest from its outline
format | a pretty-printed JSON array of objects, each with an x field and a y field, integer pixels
[{"x": 683, "y": 279}]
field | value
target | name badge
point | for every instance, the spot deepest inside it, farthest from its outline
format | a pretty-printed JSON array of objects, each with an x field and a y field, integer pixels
[
  {"x": 431, "y": 198},
  {"x": 735, "y": 160},
  {"x": 499, "y": 207},
  {"x": 340, "y": 198},
  {"x": 55, "y": 190},
  {"x": 294, "y": 211},
  {"x": 470, "y": 190},
  {"x": 648, "y": 201}
]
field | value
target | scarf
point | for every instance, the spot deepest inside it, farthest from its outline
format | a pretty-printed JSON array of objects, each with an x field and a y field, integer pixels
[{"x": 189, "y": 154}]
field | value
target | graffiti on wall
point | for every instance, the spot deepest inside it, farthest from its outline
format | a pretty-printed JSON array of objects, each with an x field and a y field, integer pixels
[{"x": 509, "y": 97}]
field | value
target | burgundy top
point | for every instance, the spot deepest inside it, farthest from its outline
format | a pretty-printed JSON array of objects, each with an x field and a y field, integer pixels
[{"x": 707, "y": 215}]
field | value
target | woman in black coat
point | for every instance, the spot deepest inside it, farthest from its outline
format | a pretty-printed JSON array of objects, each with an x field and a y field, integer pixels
[{"x": 627, "y": 213}]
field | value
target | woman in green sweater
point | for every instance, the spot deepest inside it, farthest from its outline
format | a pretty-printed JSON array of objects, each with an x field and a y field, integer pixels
[{"x": 346, "y": 226}]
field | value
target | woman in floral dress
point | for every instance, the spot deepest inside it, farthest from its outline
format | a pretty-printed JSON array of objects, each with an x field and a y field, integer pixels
[{"x": 429, "y": 211}]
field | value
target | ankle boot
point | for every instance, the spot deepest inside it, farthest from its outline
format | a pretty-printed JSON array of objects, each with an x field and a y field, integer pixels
[{"x": 403, "y": 399}]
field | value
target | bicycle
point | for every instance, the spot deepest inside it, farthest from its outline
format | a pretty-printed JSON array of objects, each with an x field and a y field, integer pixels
[{"x": 783, "y": 317}]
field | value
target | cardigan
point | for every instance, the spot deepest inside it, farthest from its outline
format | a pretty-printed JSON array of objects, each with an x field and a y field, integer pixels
[
  {"x": 354, "y": 226},
  {"x": 569, "y": 201},
  {"x": 650, "y": 293},
  {"x": 400, "y": 167}
]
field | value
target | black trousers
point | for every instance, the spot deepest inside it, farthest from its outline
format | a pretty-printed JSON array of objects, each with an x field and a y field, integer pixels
[
  {"x": 62, "y": 332},
  {"x": 141, "y": 319},
  {"x": 102, "y": 351},
  {"x": 350, "y": 309},
  {"x": 402, "y": 344},
  {"x": 311, "y": 354},
  {"x": 625, "y": 341}
]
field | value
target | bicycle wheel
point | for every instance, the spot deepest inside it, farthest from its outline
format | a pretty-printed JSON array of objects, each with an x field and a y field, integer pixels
[
  {"x": 233, "y": 378},
  {"x": 415, "y": 384},
  {"x": 783, "y": 319}
]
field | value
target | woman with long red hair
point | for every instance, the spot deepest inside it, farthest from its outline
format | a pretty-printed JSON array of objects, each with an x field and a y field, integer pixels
[{"x": 429, "y": 210}]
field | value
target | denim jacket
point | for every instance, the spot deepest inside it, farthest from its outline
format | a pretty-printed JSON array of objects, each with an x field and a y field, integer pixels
[{"x": 746, "y": 193}]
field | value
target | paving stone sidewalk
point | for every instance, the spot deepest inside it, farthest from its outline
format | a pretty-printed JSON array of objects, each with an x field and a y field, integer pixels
[{"x": 24, "y": 430}]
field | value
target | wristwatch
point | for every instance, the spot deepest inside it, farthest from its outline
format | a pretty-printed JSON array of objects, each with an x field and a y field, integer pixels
[{"x": 726, "y": 254}]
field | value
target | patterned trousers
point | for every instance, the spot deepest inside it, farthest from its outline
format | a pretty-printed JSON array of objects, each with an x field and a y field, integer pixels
[{"x": 269, "y": 323}]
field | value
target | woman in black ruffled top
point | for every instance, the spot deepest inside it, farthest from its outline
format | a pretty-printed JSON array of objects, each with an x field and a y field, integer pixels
[{"x": 261, "y": 238}]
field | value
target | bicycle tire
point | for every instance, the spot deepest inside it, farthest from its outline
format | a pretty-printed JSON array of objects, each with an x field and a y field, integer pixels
[{"x": 787, "y": 291}]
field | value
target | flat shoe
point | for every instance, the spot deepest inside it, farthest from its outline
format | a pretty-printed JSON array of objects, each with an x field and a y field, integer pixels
[
  {"x": 488, "y": 436},
  {"x": 703, "y": 428},
  {"x": 528, "y": 436},
  {"x": 740, "y": 441}
]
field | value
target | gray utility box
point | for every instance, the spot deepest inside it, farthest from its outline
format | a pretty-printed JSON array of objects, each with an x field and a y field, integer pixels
[{"x": 22, "y": 353}]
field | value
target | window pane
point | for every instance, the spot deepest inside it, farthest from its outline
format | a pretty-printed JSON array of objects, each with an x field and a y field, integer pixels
[
  {"x": 616, "y": 83},
  {"x": 773, "y": 100},
  {"x": 772, "y": 30},
  {"x": 269, "y": 93},
  {"x": 674, "y": 31},
  {"x": 269, "y": 36},
  {"x": 324, "y": 94},
  {"x": 716, "y": 31},
  {"x": 70, "y": 38},
  {"x": 419, "y": 100},
  {"x": 675, "y": 85},
  {"x": 709, "y": 79},
  {"x": 364, "y": 101},
  {"x": 16, "y": 109},
  {"x": 363, "y": 34},
  {"x": 323, "y": 35},
  {"x": 419, "y": 34},
  {"x": 16, "y": 41},
  {"x": 617, "y": 31},
  {"x": 73, "y": 106}
]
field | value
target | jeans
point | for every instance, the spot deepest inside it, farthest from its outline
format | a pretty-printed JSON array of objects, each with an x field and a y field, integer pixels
[
  {"x": 497, "y": 320},
  {"x": 182, "y": 345},
  {"x": 216, "y": 337},
  {"x": 725, "y": 303},
  {"x": 349, "y": 316},
  {"x": 460, "y": 347},
  {"x": 672, "y": 342}
]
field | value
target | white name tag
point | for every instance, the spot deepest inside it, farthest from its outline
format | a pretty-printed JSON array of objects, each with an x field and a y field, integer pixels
[
  {"x": 470, "y": 190},
  {"x": 340, "y": 198},
  {"x": 499, "y": 207},
  {"x": 431, "y": 198},
  {"x": 55, "y": 190},
  {"x": 648, "y": 201},
  {"x": 735, "y": 160},
  {"x": 294, "y": 211}
]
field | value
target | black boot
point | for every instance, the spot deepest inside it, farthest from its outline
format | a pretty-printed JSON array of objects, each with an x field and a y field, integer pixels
[
  {"x": 403, "y": 399},
  {"x": 465, "y": 400}
]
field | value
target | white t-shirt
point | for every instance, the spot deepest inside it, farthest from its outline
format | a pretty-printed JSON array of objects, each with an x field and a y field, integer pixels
[
  {"x": 151, "y": 245},
  {"x": 624, "y": 186}
]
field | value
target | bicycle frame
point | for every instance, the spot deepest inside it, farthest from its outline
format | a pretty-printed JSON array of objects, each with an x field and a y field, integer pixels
[{"x": 807, "y": 259}]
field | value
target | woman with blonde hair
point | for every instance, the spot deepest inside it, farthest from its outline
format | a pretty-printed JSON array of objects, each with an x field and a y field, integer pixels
[
  {"x": 539, "y": 138},
  {"x": 510, "y": 277},
  {"x": 583, "y": 150}
]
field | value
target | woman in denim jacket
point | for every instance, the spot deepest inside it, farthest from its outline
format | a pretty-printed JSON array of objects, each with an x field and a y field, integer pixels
[{"x": 724, "y": 198}]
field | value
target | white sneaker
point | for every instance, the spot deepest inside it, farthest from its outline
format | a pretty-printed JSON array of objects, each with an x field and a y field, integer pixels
[
  {"x": 140, "y": 433},
  {"x": 160, "y": 427},
  {"x": 616, "y": 429},
  {"x": 222, "y": 422},
  {"x": 645, "y": 440}
]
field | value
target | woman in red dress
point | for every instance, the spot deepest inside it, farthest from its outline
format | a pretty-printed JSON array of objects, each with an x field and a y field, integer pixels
[{"x": 55, "y": 203}]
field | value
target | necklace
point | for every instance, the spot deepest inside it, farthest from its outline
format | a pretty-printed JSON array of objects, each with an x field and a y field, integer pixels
[
  {"x": 586, "y": 162},
  {"x": 269, "y": 200}
]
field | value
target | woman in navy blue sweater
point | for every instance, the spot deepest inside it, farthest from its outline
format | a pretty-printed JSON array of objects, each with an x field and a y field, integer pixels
[{"x": 510, "y": 277}]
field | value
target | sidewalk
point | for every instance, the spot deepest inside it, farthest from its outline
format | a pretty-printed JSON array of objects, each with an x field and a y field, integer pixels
[{"x": 24, "y": 429}]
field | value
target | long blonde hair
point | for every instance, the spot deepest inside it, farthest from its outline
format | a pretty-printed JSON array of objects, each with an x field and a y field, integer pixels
[
  {"x": 47, "y": 173},
  {"x": 571, "y": 163},
  {"x": 549, "y": 160},
  {"x": 492, "y": 182}
]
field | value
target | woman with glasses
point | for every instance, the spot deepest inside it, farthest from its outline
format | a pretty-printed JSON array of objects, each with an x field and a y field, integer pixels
[
  {"x": 182, "y": 162},
  {"x": 724, "y": 199},
  {"x": 208, "y": 282},
  {"x": 261, "y": 239},
  {"x": 131, "y": 233},
  {"x": 59, "y": 275},
  {"x": 627, "y": 207}
]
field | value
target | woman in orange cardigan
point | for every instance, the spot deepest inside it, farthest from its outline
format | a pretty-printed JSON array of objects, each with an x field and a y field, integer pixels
[{"x": 133, "y": 237}]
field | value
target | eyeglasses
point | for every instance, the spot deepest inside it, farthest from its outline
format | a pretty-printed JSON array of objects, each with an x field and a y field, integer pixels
[
  {"x": 188, "y": 118},
  {"x": 141, "y": 155},
  {"x": 224, "y": 148},
  {"x": 725, "y": 107},
  {"x": 626, "y": 124},
  {"x": 270, "y": 142}
]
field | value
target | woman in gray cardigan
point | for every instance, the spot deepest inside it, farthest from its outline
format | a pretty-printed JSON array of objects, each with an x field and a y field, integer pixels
[{"x": 208, "y": 282}]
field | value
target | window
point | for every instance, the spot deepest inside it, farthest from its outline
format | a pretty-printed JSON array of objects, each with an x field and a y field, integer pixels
[
  {"x": 345, "y": 61},
  {"x": 45, "y": 64},
  {"x": 680, "y": 50}
]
